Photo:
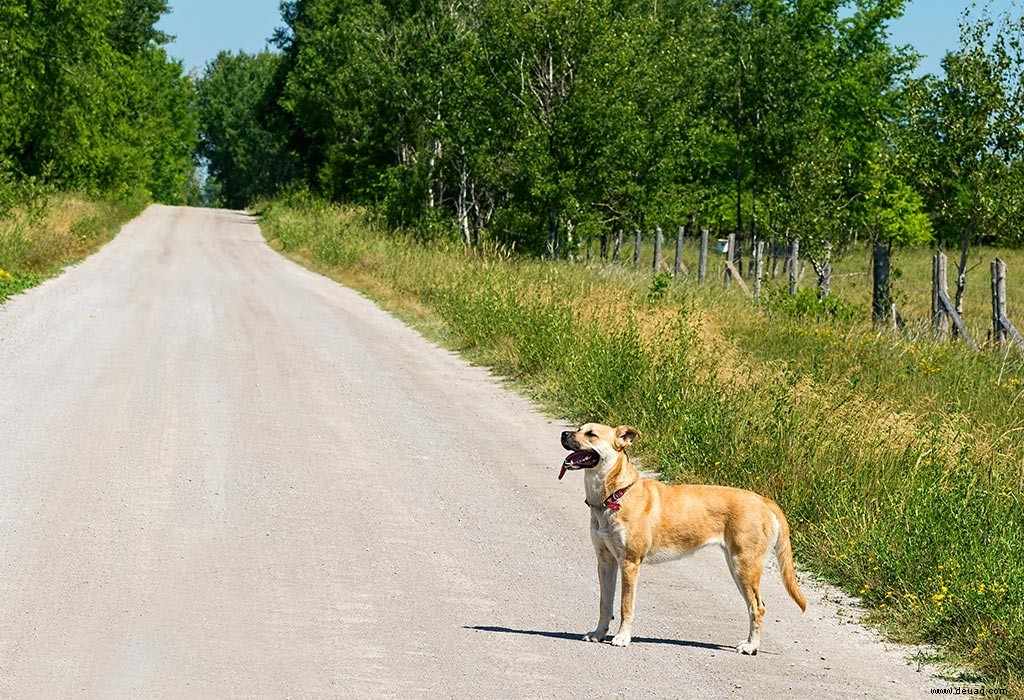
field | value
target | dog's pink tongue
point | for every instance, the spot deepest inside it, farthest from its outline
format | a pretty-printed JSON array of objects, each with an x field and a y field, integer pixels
[{"x": 562, "y": 473}]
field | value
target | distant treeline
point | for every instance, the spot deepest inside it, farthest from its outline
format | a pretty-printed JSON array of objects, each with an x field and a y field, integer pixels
[
  {"x": 90, "y": 101},
  {"x": 548, "y": 122}
]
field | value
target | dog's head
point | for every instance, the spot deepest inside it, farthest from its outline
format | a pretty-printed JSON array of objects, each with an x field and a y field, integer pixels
[{"x": 595, "y": 444}]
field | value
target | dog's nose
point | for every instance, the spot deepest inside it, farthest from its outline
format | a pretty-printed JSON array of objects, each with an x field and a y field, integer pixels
[{"x": 566, "y": 434}]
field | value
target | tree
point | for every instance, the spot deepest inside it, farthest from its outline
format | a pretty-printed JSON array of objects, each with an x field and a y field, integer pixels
[
  {"x": 963, "y": 130},
  {"x": 89, "y": 99},
  {"x": 248, "y": 158}
]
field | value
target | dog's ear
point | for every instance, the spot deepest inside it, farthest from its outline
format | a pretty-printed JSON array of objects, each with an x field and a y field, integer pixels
[{"x": 625, "y": 435}]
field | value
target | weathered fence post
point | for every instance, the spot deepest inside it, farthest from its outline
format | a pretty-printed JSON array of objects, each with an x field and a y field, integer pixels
[
  {"x": 880, "y": 300},
  {"x": 702, "y": 264},
  {"x": 942, "y": 306},
  {"x": 604, "y": 245},
  {"x": 618, "y": 246},
  {"x": 998, "y": 301},
  {"x": 1001, "y": 326},
  {"x": 730, "y": 252},
  {"x": 794, "y": 266},
  {"x": 679, "y": 267},
  {"x": 638, "y": 238},
  {"x": 758, "y": 268},
  {"x": 656, "y": 264},
  {"x": 940, "y": 319}
]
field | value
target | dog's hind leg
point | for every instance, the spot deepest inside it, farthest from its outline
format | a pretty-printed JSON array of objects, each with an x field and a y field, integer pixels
[
  {"x": 630, "y": 570},
  {"x": 746, "y": 572},
  {"x": 607, "y": 570}
]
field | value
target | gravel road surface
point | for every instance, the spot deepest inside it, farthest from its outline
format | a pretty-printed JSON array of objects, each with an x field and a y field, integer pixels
[{"x": 224, "y": 476}]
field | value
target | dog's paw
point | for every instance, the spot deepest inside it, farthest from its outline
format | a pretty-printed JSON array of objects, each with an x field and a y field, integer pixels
[
  {"x": 595, "y": 636},
  {"x": 621, "y": 640},
  {"x": 747, "y": 648}
]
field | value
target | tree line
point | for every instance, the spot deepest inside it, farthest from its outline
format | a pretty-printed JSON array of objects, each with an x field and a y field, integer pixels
[
  {"x": 543, "y": 124},
  {"x": 547, "y": 123},
  {"x": 90, "y": 100}
]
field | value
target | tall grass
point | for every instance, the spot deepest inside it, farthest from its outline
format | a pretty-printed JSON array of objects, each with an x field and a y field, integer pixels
[
  {"x": 899, "y": 461},
  {"x": 44, "y": 233}
]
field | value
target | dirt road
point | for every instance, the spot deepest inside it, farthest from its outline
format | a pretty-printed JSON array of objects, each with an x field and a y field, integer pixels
[{"x": 223, "y": 476}]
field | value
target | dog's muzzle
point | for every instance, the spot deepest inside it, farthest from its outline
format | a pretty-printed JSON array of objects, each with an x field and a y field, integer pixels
[{"x": 577, "y": 459}]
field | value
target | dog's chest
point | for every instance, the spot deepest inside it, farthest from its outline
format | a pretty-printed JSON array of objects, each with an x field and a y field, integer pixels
[{"x": 612, "y": 533}]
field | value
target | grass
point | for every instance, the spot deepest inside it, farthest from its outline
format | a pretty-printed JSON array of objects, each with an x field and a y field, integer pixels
[
  {"x": 44, "y": 234},
  {"x": 898, "y": 460}
]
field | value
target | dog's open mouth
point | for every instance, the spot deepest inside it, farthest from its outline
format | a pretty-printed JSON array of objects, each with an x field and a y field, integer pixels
[{"x": 581, "y": 459}]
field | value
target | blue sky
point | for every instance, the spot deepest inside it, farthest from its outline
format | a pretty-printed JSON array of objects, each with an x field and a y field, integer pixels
[{"x": 205, "y": 27}]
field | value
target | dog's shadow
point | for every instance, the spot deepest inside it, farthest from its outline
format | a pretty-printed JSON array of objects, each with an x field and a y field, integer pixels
[{"x": 578, "y": 637}]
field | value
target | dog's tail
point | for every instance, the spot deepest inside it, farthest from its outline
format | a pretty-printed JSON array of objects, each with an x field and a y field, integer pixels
[{"x": 784, "y": 555}]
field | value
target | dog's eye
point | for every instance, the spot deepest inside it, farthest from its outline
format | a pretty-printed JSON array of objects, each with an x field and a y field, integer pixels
[{"x": 591, "y": 433}]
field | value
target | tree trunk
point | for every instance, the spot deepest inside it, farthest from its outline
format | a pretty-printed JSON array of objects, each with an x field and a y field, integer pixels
[
  {"x": 552, "y": 250},
  {"x": 462, "y": 206},
  {"x": 961, "y": 276},
  {"x": 881, "y": 298},
  {"x": 823, "y": 269}
]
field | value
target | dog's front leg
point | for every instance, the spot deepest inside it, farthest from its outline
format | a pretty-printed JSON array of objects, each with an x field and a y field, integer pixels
[
  {"x": 606, "y": 574},
  {"x": 630, "y": 570}
]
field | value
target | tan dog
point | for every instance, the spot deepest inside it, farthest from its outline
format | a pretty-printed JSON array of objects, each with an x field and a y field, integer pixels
[{"x": 633, "y": 520}]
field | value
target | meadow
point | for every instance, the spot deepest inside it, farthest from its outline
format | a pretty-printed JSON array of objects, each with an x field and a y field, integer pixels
[
  {"x": 899, "y": 460},
  {"x": 49, "y": 231}
]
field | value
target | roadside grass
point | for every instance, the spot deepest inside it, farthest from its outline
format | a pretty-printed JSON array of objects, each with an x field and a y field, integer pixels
[
  {"x": 46, "y": 233},
  {"x": 899, "y": 461}
]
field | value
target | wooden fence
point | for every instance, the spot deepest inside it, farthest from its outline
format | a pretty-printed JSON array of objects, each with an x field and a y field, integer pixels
[{"x": 946, "y": 321}]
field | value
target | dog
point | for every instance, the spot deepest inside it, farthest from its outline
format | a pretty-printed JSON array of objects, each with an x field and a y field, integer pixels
[{"x": 635, "y": 520}]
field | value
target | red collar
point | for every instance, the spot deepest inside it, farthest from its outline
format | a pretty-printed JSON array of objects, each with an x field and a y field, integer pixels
[{"x": 612, "y": 502}]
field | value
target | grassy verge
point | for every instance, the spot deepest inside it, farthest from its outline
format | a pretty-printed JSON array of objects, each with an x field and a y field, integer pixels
[
  {"x": 899, "y": 462},
  {"x": 41, "y": 237}
]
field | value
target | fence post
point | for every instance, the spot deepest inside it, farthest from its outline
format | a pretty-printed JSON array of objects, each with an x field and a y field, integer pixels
[
  {"x": 604, "y": 245},
  {"x": 758, "y": 268},
  {"x": 618, "y": 246},
  {"x": 656, "y": 265},
  {"x": 794, "y": 265},
  {"x": 998, "y": 301},
  {"x": 638, "y": 238},
  {"x": 880, "y": 298},
  {"x": 940, "y": 319},
  {"x": 702, "y": 265},
  {"x": 730, "y": 256},
  {"x": 679, "y": 252}
]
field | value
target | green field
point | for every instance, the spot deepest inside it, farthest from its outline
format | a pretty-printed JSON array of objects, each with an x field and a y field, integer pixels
[{"x": 898, "y": 460}]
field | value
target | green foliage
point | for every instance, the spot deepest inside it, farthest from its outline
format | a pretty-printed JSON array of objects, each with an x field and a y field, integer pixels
[
  {"x": 89, "y": 100},
  {"x": 661, "y": 283},
  {"x": 245, "y": 154},
  {"x": 963, "y": 140},
  {"x": 807, "y": 305},
  {"x": 894, "y": 211},
  {"x": 12, "y": 283},
  {"x": 546, "y": 124}
]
